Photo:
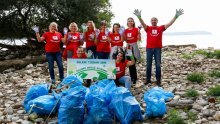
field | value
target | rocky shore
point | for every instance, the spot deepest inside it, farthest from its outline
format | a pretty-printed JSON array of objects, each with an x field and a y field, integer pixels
[{"x": 175, "y": 68}]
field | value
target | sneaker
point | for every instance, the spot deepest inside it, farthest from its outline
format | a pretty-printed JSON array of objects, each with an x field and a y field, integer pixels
[{"x": 147, "y": 82}]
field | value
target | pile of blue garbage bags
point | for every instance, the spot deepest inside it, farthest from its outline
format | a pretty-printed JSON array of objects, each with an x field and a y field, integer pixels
[{"x": 102, "y": 102}]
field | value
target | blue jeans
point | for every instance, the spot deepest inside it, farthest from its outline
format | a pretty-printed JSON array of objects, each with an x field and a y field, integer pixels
[
  {"x": 126, "y": 81},
  {"x": 93, "y": 49},
  {"x": 51, "y": 57},
  {"x": 156, "y": 52},
  {"x": 102, "y": 55}
]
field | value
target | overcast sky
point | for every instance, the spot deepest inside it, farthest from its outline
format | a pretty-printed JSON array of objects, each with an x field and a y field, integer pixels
[{"x": 199, "y": 15}]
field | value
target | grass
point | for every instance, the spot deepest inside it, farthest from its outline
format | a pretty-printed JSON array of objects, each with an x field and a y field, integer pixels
[
  {"x": 196, "y": 77},
  {"x": 214, "y": 91},
  {"x": 207, "y": 54},
  {"x": 192, "y": 116},
  {"x": 174, "y": 117},
  {"x": 215, "y": 73},
  {"x": 191, "y": 93}
]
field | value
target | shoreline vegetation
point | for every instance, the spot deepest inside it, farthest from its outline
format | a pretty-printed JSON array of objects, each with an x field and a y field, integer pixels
[{"x": 192, "y": 74}]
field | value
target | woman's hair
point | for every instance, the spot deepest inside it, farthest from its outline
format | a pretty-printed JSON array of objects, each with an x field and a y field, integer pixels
[
  {"x": 114, "y": 25},
  {"x": 133, "y": 21},
  {"x": 93, "y": 25},
  {"x": 123, "y": 56},
  {"x": 119, "y": 50},
  {"x": 53, "y": 23},
  {"x": 73, "y": 23}
]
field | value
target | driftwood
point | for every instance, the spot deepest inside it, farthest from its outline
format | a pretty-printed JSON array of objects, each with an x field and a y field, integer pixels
[{"x": 21, "y": 63}]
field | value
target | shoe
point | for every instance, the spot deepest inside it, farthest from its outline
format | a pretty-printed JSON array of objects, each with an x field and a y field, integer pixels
[
  {"x": 147, "y": 82},
  {"x": 159, "y": 83}
]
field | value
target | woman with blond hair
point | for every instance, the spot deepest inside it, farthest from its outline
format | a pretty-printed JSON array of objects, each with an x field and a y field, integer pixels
[
  {"x": 132, "y": 36},
  {"x": 73, "y": 40},
  {"x": 89, "y": 38},
  {"x": 53, "y": 52}
]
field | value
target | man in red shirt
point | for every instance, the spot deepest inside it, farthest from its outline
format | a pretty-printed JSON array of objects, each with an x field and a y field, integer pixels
[{"x": 154, "y": 43}]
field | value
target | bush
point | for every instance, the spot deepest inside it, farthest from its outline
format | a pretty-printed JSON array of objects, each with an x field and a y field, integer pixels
[
  {"x": 217, "y": 54},
  {"x": 187, "y": 56},
  {"x": 174, "y": 117},
  {"x": 214, "y": 91},
  {"x": 192, "y": 93},
  {"x": 196, "y": 77},
  {"x": 215, "y": 73},
  {"x": 192, "y": 116}
]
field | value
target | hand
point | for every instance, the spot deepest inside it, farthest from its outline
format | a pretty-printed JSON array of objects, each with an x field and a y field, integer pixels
[
  {"x": 137, "y": 13},
  {"x": 84, "y": 27},
  {"x": 178, "y": 12},
  {"x": 89, "y": 54},
  {"x": 81, "y": 36},
  {"x": 140, "y": 26},
  {"x": 69, "y": 37},
  {"x": 35, "y": 28},
  {"x": 106, "y": 31},
  {"x": 97, "y": 32},
  {"x": 121, "y": 30},
  {"x": 65, "y": 30}
]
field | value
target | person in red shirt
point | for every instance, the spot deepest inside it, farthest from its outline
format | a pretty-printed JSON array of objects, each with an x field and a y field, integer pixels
[
  {"x": 52, "y": 48},
  {"x": 73, "y": 40},
  {"x": 102, "y": 42},
  {"x": 154, "y": 43},
  {"x": 80, "y": 54},
  {"x": 121, "y": 65},
  {"x": 90, "y": 38},
  {"x": 116, "y": 39},
  {"x": 131, "y": 36}
]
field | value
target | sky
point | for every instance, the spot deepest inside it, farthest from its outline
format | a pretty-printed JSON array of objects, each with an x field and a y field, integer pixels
[{"x": 199, "y": 15}]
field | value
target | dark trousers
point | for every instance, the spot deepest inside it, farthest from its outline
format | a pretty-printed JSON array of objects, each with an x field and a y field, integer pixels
[
  {"x": 51, "y": 57},
  {"x": 133, "y": 71},
  {"x": 156, "y": 52}
]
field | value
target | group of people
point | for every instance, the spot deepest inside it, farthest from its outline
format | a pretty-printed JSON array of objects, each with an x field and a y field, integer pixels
[{"x": 104, "y": 44}]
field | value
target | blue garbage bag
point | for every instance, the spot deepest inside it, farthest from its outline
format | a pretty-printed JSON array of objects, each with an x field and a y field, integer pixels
[
  {"x": 71, "y": 110},
  {"x": 155, "y": 107},
  {"x": 98, "y": 112},
  {"x": 44, "y": 105},
  {"x": 34, "y": 92},
  {"x": 72, "y": 80},
  {"x": 103, "y": 83},
  {"x": 155, "y": 99},
  {"x": 125, "y": 107},
  {"x": 109, "y": 90},
  {"x": 159, "y": 93}
]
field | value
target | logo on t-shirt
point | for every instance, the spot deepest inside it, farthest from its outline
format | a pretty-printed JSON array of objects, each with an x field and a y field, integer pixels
[
  {"x": 129, "y": 35},
  {"x": 117, "y": 69},
  {"x": 74, "y": 37},
  {"x": 104, "y": 37},
  {"x": 55, "y": 38},
  {"x": 117, "y": 37},
  {"x": 154, "y": 32}
]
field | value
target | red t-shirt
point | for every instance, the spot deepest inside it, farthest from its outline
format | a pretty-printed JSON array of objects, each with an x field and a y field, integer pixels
[
  {"x": 52, "y": 41},
  {"x": 115, "y": 39},
  {"x": 103, "y": 45},
  {"x": 83, "y": 56},
  {"x": 120, "y": 69},
  {"x": 154, "y": 36},
  {"x": 74, "y": 42},
  {"x": 131, "y": 35},
  {"x": 89, "y": 41}
]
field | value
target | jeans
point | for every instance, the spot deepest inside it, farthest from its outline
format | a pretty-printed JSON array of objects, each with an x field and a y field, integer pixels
[
  {"x": 156, "y": 52},
  {"x": 51, "y": 57},
  {"x": 126, "y": 81},
  {"x": 102, "y": 55},
  {"x": 93, "y": 49}
]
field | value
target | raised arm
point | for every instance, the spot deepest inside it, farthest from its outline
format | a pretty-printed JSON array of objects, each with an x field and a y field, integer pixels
[
  {"x": 138, "y": 14},
  {"x": 178, "y": 13},
  {"x": 36, "y": 30}
]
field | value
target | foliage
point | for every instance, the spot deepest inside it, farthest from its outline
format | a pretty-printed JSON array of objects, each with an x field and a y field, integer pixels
[
  {"x": 215, "y": 73},
  {"x": 214, "y": 91},
  {"x": 196, "y": 77},
  {"x": 18, "y": 16},
  {"x": 192, "y": 93},
  {"x": 192, "y": 116},
  {"x": 174, "y": 117}
]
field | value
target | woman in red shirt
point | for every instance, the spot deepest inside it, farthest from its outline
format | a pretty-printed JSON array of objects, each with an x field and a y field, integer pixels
[
  {"x": 73, "y": 40},
  {"x": 116, "y": 39},
  {"x": 52, "y": 48},
  {"x": 102, "y": 42},
  {"x": 131, "y": 36},
  {"x": 121, "y": 65},
  {"x": 90, "y": 38}
]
